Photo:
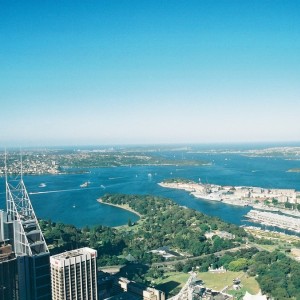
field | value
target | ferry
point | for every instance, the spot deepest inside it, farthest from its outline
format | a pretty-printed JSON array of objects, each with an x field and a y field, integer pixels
[{"x": 85, "y": 184}]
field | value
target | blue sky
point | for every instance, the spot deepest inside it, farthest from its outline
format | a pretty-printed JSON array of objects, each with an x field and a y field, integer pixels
[{"x": 119, "y": 72}]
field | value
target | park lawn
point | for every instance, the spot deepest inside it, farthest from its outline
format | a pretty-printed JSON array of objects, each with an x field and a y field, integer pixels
[
  {"x": 218, "y": 281},
  {"x": 172, "y": 281},
  {"x": 179, "y": 277},
  {"x": 269, "y": 248},
  {"x": 221, "y": 280},
  {"x": 239, "y": 294},
  {"x": 250, "y": 284}
]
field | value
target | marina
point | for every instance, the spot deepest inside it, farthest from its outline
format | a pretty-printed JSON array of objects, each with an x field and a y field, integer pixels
[{"x": 271, "y": 219}]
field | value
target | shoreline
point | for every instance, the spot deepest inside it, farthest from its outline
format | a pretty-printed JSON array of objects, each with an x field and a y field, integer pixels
[
  {"x": 238, "y": 195},
  {"x": 237, "y": 202},
  {"x": 270, "y": 219},
  {"x": 246, "y": 196},
  {"x": 124, "y": 207},
  {"x": 191, "y": 188}
]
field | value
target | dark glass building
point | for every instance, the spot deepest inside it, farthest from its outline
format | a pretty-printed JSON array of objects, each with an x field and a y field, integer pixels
[
  {"x": 30, "y": 268},
  {"x": 8, "y": 274}
]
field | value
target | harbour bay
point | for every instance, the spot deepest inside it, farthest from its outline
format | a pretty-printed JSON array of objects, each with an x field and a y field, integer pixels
[{"x": 63, "y": 200}]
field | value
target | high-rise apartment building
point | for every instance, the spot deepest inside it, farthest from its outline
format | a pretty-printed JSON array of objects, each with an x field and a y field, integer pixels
[{"x": 74, "y": 275}]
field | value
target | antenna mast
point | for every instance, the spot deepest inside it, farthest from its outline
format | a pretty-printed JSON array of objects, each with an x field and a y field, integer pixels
[
  {"x": 21, "y": 164},
  {"x": 28, "y": 237},
  {"x": 5, "y": 166}
]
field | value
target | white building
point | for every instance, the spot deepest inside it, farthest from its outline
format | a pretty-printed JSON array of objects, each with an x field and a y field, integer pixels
[
  {"x": 74, "y": 275},
  {"x": 242, "y": 192}
]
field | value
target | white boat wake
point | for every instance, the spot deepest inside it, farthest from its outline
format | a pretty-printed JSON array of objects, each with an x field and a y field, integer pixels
[{"x": 61, "y": 191}]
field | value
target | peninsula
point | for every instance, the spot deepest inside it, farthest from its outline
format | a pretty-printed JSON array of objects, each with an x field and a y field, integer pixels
[
  {"x": 122, "y": 206},
  {"x": 58, "y": 161},
  {"x": 236, "y": 195},
  {"x": 279, "y": 202}
]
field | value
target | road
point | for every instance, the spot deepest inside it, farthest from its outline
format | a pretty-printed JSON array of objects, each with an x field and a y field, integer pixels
[{"x": 184, "y": 260}]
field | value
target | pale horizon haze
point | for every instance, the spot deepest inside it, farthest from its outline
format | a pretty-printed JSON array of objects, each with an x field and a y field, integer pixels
[{"x": 141, "y": 72}]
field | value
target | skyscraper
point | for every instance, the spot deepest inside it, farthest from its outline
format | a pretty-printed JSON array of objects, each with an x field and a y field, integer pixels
[
  {"x": 19, "y": 225},
  {"x": 74, "y": 275},
  {"x": 8, "y": 273}
]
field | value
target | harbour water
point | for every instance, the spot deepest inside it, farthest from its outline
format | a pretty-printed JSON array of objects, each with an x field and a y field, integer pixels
[{"x": 63, "y": 200}]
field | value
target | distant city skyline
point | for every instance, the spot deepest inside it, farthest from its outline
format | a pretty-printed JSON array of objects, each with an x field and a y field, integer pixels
[{"x": 142, "y": 72}]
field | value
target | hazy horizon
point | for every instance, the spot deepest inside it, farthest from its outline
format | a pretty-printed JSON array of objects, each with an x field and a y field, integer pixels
[{"x": 149, "y": 146}]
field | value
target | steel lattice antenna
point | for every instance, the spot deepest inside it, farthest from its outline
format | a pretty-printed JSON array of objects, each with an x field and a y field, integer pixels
[{"x": 28, "y": 237}]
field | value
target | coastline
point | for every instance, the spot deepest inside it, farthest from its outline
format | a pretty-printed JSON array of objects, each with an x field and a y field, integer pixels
[
  {"x": 193, "y": 189},
  {"x": 125, "y": 207},
  {"x": 271, "y": 219},
  {"x": 247, "y": 196},
  {"x": 238, "y": 195}
]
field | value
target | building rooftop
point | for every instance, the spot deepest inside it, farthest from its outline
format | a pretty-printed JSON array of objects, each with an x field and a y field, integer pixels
[
  {"x": 6, "y": 252},
  {"x": 75, "y": 253}
]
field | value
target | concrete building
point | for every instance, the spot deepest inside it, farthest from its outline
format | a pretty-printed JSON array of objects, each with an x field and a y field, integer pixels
[
  {"x": 241, "y": 192},
  {"x": 136, "y": 289},
  {"x": 74, "y": 275}
]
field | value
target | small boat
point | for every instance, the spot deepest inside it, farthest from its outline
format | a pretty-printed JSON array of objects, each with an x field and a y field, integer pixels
[
  {"x": 102, "y": 186},
  {"x": 42, "y": 184},
  {"x": 74, "y": 205},
  {"x": 85, "y": 184}
]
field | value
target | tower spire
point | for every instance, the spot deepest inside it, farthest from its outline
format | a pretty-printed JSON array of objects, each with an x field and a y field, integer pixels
[
  {"x": 28, "y": 238},
  {"x": 21, "y": 158},
  {"x": 5, "y": 165},
  {"x": 28, "y": 241}
]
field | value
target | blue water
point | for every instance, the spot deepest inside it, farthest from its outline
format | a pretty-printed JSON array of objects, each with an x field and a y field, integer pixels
[{"x": 63, "y": 200}]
